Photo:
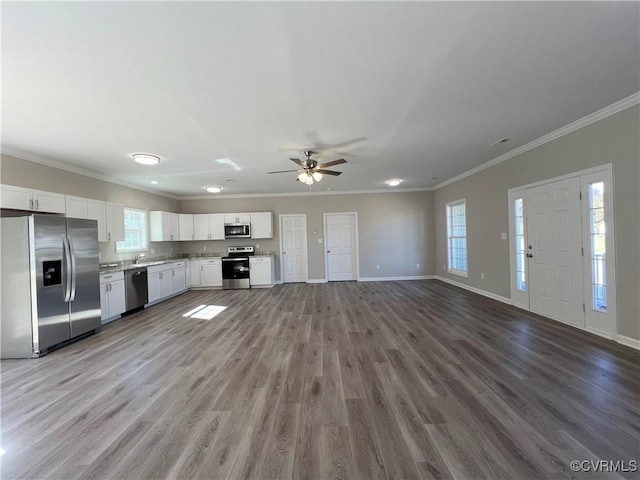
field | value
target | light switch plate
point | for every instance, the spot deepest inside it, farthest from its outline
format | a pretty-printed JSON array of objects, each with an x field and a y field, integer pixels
[
  {"x": 320, "y": 241},
  {"x": 503, "y": 236}
]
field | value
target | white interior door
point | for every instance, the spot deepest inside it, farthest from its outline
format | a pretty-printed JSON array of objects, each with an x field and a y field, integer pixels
[
  {"x": 554, "y": 229},
  {"x": 340, "y": 237},
  {"x": 293, "y": 248}
]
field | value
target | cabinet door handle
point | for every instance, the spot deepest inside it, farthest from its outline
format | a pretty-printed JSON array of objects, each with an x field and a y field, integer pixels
[
  {"x": 109, "y": 236},
  {"x": 30, "y": 204},
  {"x": 37, "y": 205},
  {"x": 106, "y": 287},
  {"x": 201, "y": 268},
  {"x": 173, "y": 273}
]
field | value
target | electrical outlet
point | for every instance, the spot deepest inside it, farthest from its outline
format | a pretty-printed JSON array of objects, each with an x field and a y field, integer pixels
[
  {"x": 320, "y": 241},
  {"x": 444, "y": 267},
  {"x": 257, "y": 246},
  {"x": 204, "y": 248},
  {"x": 503, "y": 236},
  {"x": 482, "y": 276},
  {"x": 377, "y": 267},
  {"x": 99, "y": 256},
  {"x": 153, "y": 250},
  {"x": 417, "y": 265},
  {"x": 171, "y": 250}
]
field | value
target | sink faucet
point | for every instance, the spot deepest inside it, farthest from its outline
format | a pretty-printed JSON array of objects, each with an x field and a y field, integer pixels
[{"x": 139, "y": 256}]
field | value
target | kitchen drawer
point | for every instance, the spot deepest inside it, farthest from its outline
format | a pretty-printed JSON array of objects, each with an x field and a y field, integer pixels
[
  {"x": 259, "y": 259},
  {"x": 111, "y": 277},
  {"x": 179, "y": 264},
  {"x": 211, "y": 261},
  {"x": 159, "y": 268}
]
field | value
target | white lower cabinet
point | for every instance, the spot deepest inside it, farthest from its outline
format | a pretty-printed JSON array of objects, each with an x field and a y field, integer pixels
[
  {"x": 166, "y": 280},
  {"x": 112, "y": 296},
  {"x": 261, "y": 272},
  {"x": 211, "y": 272},
  {"x": 178, "y": 277},
  {"x": 194, "y": 272}
]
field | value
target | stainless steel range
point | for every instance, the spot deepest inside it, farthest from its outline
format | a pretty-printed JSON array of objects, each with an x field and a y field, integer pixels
[{"x": 235, "y": 267}]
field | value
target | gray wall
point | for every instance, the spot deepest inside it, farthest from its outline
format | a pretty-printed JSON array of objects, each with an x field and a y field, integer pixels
[
  {"x": 395, "y": 229},
  {"x": 23, "y": 173},
  {"x": 612, "y": 140}
]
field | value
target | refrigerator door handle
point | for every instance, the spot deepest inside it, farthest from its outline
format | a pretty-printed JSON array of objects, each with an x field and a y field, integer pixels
[
  {"x": 67, "y": 269},
  {"x": 72, "y": 295}
]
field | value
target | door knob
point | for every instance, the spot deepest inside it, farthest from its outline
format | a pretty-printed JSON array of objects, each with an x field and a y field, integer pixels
[
  {"x": 529, "y": 255},
  {"x": 328, "y": 251},
  {"x": 284, "y": 253}
]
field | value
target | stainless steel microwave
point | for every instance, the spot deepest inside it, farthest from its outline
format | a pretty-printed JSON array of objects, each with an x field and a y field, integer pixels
[{"x": 237, "y": 230}]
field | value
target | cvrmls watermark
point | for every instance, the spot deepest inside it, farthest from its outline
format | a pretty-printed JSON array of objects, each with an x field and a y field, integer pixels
[{"x": 600, "y": 466}]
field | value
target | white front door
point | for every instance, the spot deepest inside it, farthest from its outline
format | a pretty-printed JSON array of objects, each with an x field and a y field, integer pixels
[
  {"x": 554, "y": 248},
  {"x": 293, "y": 248},
  {"x": 340, "y": 235}
]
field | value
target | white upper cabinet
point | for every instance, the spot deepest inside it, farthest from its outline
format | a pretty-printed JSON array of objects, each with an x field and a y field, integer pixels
[
  {"x": 19, "y": 198},
  {"x": 237, "y": 218},
  {"x": 76, "y": 207},
  {"x": 208, "y": 226},
  {"x": 96, "y": 210},
  {"x": 261, "y": 225},
  {"x": 48, "y": 202},
  {"x": 114, "y": 215},
  {"x": 185, "y": 227},
  {"x": 164, "y": 226}
]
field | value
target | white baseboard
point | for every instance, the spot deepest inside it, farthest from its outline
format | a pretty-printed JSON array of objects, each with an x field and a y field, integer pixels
[
  {"x": 317, "y": 280},
  {"x": 484, "y": 293},
  {"x": 394, "y": 279},
  {"x": 629, "y": 342}
]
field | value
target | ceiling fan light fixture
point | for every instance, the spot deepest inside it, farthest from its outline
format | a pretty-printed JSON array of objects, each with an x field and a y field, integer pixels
[
  {"x": 145, "y": 158},
  {"x": 309, "y": 180},
  {"x": 317, "y": 176},
  {"x": 303, "y": 177},
  {"x": 394, "y": 182},
  {"x": 213, "y": 189}
]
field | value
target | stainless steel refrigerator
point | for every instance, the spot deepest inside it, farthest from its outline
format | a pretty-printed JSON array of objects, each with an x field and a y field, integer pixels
[{"x": 50, "y": 283}]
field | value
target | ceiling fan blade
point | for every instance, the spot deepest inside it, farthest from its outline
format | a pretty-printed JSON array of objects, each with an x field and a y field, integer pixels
[
  {"x": 331, "y": 164},
  {"x": 298, "y": 161},
  {"x": 283, "y": 171},
  {"x": 327, "y": 172}
]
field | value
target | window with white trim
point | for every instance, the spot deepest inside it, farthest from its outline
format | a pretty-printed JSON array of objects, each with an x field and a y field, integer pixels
[
  {"x": 457, "y": 238},
  {"x": 135, "y": 231},
  {"x": 521, "y": 259},
  {"x": 597, "y": 234}
]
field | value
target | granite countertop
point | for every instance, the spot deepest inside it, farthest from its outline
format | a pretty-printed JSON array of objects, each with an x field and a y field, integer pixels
[{"x": 128, "y": 264}]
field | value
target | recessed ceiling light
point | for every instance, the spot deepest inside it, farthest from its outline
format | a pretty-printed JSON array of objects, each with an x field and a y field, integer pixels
[
  {"x": 146, "y": 158},
  {"x": 394, "y": 182},
  {"x": 502, "y": 140},
  {"x": 434, "y": 178},
  {"x": 154, "y": 182},
  {"x": 230, "y": 180},
  {"x": 213, "y": 189}
]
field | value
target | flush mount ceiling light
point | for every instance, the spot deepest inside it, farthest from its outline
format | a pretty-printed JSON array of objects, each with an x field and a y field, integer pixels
[
  {"x": 213, "y": 189},
  {"x": 154, "y": 182},
  {"x": 145, "y": 158},
  {"x": 394, "y": 182}
]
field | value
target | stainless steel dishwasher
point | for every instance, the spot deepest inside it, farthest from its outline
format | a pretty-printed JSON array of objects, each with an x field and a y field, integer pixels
[{"x": 135, "y": 287}]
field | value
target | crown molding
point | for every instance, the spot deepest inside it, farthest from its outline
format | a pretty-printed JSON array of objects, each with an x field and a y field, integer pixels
[
  {"x": 601, "y": 114},
  {"x": 218, "y": 196},
  {"x": 81, "y": 171}
]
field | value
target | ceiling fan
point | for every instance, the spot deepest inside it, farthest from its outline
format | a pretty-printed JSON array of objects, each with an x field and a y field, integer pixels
[{"x": 311, "y": 170}]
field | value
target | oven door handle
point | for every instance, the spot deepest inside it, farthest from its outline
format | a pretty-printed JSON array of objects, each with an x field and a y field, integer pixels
[{"x": 235, "y": 259}]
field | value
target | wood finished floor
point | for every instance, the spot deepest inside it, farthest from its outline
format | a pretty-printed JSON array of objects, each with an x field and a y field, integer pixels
[{"x": 344, "y": 380}]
